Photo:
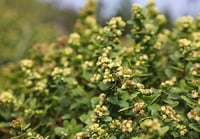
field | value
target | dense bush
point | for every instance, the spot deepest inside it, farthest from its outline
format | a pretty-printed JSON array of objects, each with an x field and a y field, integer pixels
[{"x": 97, "y": 84}]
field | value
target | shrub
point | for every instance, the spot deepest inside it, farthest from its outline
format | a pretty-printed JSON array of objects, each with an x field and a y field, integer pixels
[{"x": 98, "y": 84}]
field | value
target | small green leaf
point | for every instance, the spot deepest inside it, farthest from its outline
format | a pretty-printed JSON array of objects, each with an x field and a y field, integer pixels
[
  {"x": 104, "y": 86},
  {"x": 123, "y": 104},
  {"x": 175, "y": 90},
  {"x": 59, "y": 131},
  {"x": 177, "y": 68},
  {"x": 171, "y": 102},
  {"x": 195, "y": 127},
  {"x": 125, "y": 95},
  {"x": 164, "y": 130},
  {"x": 134, "y": 95},
  {"x": 169, "y": 73},
  {"x": 94, "y": 101},
  {"x": 17, "y": 137},
  {"x": 112, "y": 137},
  {"x": 107, "y": 119},
  {"x": 113, "y": 100},
  {"x": 188, "y": 101},
  {"x": 73, "y": 106},
  {"x": 154, "y": 108},
  {"x": 174, "y": 57},
  {"x": 26, "y": 127},
  {"x": 86, "y": 75},
  {"x": 85, "y": 118},
  {"x": 124, "y": 109},
  {"x": 155, "y": 98}
]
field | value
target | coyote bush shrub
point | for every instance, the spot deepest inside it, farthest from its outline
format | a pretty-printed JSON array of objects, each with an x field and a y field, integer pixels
[{"x": 97, "y": 84}]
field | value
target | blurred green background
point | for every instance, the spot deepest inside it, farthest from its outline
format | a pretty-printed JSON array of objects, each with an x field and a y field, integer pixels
[{"x": 26, "y": 22}]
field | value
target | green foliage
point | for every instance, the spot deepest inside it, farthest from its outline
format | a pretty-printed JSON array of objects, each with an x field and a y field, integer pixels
[{"x": 97, "y": 84}]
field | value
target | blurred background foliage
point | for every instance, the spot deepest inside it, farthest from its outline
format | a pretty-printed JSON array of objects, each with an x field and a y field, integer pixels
[{"x": 25, "y": 22}]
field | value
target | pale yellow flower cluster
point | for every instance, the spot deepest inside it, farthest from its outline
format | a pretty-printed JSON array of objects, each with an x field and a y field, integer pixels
[
  {"x": 26, "y": 63},
  {"x": 140, "y": 87},
  {"x": 41, "y": 86},
  {"x": 129, "y": 84},
  {"x": 102, "y": 98},
  {"x": 110, "y": 68},
  {"x": 195, "y": 69},
  {"x": 169, "y": 83},
  {"x": 38, "y": 136},
  {"x": 196, "y": 37},
  {"x": 161, "y": 19},
  {"x": 169, "y": 112},
  {"x": 126, "y": 126},
  {"x": 97, "y": 131},
  {"x": 146, "y": 91},
  {"x": 194, "y": 94},
  {"x": 182, "y": 129},
  {"x": 7, "y": 97},
  {"x": 81, "y": 135},
  {"x": 142, "y": 60},
  {"x": 60, "y": 73},
  {"x": 95, "y": 78},
  {"x": 152, "y": 125},
  {"x": 161, "y": 40},
  {"x": 124, "y": 72},
  {"x": 184, "y": 45},
  {"x": 101, "y": 110},
  {"x": 139, "y": 107},
  {"x": 114, "y": 124},
  {"x": 193, "y": 114},
  {"x": 114, "y": 29},
  {"x": 68, "y": 51},
  {"x": 137, "y": 11},
  {"x": 26, "y": 66},
  {"x": 91, "y": 24},
  {"x": 185, "y": 22},
  {"x": 74, "y": 39},
  {"x": 116, "y": 22},
  {"x": 87, "y": 64}
]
